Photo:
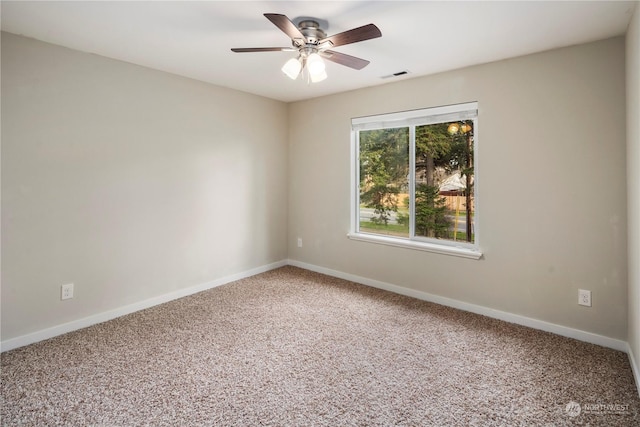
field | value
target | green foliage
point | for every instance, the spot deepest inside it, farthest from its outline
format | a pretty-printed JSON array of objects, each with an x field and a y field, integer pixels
[
  {"x": 384, "y": 169},
  {"x": 383, "y": 199},
  {"x": 431, "y": 219},
  {"x": 390, "y": 229},
  {"x": 461, "y": 152},
  {"x": 403, "y": 218},
  {"x": 384, "y": 165},
  {"x": 433, "y": 148}
]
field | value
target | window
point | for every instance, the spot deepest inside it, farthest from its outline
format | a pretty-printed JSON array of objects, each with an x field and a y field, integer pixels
[{"x": 414, "y": 179}]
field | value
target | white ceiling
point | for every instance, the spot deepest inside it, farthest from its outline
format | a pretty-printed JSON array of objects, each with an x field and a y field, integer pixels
[{"x": 193, "y": 39}]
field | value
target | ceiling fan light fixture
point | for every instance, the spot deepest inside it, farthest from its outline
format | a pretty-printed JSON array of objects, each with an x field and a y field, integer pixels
[
  {"x": 292, "y": 68},
  {"x": 315, "y": 64},
  {"x": 309, "y": 39},
  {"x": 315, "y": 78}
]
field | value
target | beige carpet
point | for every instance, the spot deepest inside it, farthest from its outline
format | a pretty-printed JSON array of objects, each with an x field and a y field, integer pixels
[{"x": 295, "y": 348}]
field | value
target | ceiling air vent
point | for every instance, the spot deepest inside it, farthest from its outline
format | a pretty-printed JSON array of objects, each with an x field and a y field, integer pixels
[{"x": 398, "y": 74}]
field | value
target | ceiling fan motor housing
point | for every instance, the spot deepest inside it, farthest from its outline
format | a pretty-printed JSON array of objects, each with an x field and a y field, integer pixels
[{"x": 312, "y": 32}]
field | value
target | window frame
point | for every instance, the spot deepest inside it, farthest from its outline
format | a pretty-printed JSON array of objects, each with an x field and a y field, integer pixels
[{"x": 411, "y": 119}]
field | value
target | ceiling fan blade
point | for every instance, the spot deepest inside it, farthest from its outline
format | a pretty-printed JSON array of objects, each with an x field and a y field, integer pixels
[
  {"x": 288, "y": 27},
  {"x": 262, "y": 49},
  {"x": 343, "y": 59},
  {"x": 359, "y": 34}
]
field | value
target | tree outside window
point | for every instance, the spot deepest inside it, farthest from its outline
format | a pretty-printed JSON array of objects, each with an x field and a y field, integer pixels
[{"x": 416, "y": 181}]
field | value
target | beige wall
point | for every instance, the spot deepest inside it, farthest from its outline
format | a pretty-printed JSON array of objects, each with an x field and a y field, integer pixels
[
  {"x": 633, "y": 182},
  {"x": 133, "y": 183},
  {"x": 128, "y": 182},
  {"x": 551, "y": 129}
]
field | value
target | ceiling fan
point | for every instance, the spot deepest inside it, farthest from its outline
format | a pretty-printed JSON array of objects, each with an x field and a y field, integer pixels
[{"x": 312, "y": 44}]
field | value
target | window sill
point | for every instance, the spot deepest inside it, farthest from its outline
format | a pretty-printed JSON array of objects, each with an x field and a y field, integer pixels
[{"x": 421, "y": 246}]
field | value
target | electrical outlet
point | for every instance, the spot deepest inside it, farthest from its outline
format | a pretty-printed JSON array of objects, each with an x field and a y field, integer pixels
[
  {"x": 66, "y": 291},
  {"x": 299, "y": 242},
  {"x": 584, "y": 297}
]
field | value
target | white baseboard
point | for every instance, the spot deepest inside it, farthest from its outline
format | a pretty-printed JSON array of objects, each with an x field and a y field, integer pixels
[
  {"x": 634, "y": 367},
  {"x": 64, "y": 328},
  {"x": 473, "y": 308},
  {"x": 497, "y": 314}
]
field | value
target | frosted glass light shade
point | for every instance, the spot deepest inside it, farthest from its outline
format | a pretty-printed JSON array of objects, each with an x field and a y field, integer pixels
[
  {"x": 292, "y": 68},
  {"x": 315, "y": 65},
  {"x": 315, "y": 78}
]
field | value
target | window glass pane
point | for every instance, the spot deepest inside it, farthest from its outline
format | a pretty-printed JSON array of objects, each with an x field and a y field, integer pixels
[
  {"x": 384, "y": 186},
  {"x": 444, "y": 206}
]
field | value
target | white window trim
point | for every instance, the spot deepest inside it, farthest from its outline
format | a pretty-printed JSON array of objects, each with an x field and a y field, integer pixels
[
  {"x": 414, "y": 244},
  {"x": 400, "y": 119}
]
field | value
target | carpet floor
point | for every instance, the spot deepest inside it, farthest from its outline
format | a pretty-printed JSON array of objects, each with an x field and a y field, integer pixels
[{"x": 295, "y": 348}]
